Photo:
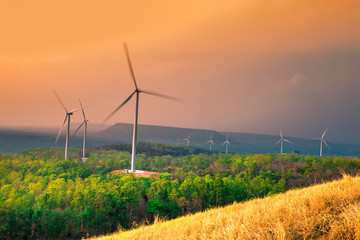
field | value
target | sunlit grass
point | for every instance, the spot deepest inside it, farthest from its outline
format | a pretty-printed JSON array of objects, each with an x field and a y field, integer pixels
[{"x": 327, "y": 211}]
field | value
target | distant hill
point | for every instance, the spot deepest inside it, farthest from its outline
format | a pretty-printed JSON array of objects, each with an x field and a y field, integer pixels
[
  {"x": 327, "y": 211},
  {"x": 16, "y": 141},
  {"x": 13, "y": 141},
  {"x": 149, "y": 133},
  {"x": 240, "y": 142}
]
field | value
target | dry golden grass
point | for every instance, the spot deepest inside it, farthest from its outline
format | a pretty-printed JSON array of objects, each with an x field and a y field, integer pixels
[{"x": 327, "y": 211}]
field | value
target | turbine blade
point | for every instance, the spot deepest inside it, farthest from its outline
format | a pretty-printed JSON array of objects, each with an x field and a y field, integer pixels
[
  {"x": 57, "y": 138},
  {"x": 281, "y": 135},
  {"x": 82, "y": 109},
  {"x": 288, "y": 141},
  {"x": 326, "y": 144},
  {"x": 324, "y": 133},
  {"x": 129, "y": 63},
  {"x": 276, "y": 143},
  {"x": 74, "y": 110},
  {"x": 162, "y": 95},
  {"x": 223, "y": 143},
  {"x": 78, "y": 129},
  {"x": 60, "y": 101},
  {"x": 121, "y": 105}
]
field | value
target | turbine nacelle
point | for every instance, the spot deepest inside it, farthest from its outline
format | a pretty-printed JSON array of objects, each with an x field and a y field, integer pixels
[
  {"x": 67, "y": 118},
  {"x": 211, "y": 142},
  {"x": 227, "y": 140},
  {"x": 227, "y": 143},
  {"x": 322, "y": 140},
  {"x": 187, "y": 140},
  {"x": 282, "y": 140}
]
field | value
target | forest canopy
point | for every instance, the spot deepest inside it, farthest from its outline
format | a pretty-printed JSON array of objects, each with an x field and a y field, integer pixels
[{"x": 44, "y": 196}]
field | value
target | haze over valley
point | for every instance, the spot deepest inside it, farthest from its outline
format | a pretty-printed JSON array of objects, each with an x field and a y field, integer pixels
[{"x": 19, "y": 139}]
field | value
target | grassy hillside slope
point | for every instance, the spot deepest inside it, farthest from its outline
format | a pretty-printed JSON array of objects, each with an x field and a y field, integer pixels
[{"x": 327, "y": 211}]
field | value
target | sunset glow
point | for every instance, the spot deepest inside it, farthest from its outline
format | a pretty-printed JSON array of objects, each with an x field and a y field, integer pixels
[{"x": 247, "y": 66}]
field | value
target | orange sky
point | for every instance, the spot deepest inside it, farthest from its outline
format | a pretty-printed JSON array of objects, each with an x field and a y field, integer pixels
[{"x": 238, "y": 65}]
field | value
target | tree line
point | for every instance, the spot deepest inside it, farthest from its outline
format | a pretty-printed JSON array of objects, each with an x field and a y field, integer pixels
[{"x": 43, "y": 196}]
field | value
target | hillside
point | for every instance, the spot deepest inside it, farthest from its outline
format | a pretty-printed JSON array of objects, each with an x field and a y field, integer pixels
[{"x": 327, "y": 211}]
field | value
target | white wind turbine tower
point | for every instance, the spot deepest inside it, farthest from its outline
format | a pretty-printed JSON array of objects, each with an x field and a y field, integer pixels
[
  {"x": 67, "y": 118},
  {"x": 85, "y": 131},
  {"x": 227, "y": 143},
  {"x": 211, "y": 142},
  {"x": 137, "y": 91},
  {"x": 282, "y": 140},
  {"x": 322, "y": 141},
  {"x": 187, "y": 140}
]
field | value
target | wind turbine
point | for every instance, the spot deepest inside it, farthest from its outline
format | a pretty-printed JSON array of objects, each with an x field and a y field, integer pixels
[
  {"x": 211, "y": 142},
  {"x": 85, "y": 131},
  {"x": 227, "y": 143},
  {"x": 282, "y": 140},
  {"x": 137, "y": 91},
  {"x": 322, "y": 141},
  {"x": 67, "y": 118},
  {"x": 187, "y": 140}
]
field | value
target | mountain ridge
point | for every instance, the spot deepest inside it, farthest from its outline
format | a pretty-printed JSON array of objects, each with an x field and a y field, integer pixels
[{"x": 12, "y": 141}]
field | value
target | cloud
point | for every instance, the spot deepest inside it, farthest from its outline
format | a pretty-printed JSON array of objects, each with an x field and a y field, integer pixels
[{"x": 296, "y": 81}]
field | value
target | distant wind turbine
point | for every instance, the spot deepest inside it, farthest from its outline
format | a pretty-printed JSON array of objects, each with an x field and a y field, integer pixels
[
  {"x": 187, "y": 140},
  {"x": 137, "y": 91},
  {"x": 211, "y": 142},
  {"x": 67, "y": 118},
  {"x": 85, "y": 131},
  {"x": 322, "y": 140},
  {"x": 281, "y": 141},
  {"x": 227, "y": 143}
]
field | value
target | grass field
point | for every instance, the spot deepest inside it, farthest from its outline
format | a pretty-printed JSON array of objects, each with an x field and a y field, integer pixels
[{"x": 326, "y": 211}]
